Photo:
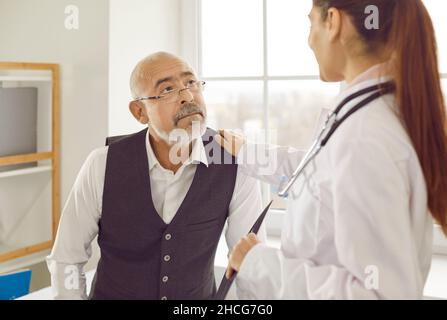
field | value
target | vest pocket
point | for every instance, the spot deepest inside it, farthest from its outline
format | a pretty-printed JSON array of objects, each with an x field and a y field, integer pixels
[{"x": 201, "y": 225}]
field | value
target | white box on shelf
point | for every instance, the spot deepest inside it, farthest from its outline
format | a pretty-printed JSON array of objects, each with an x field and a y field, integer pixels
[{"x": 18, "y": 124}]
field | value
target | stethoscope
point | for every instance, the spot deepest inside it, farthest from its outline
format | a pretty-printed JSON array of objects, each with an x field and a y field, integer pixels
[{"x": 331, "y": 125}]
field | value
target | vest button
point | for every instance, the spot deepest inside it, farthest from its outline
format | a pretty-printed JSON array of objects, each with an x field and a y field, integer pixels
[
  {"x": 164, "y": 298},
  {"x": 167, "y": 258},
  {"x": 165, "y": 279},
  {"x": 168, "y": 236}
]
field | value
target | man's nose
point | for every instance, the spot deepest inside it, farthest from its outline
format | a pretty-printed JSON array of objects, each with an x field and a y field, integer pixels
[{"x": 186, "y": 96}]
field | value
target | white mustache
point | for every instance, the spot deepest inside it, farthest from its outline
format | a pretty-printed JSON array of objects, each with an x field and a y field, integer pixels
[{"x": 189, "y": 109}]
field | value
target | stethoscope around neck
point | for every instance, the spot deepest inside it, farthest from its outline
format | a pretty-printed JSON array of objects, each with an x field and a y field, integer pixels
[{"x": 332, "y": 124}]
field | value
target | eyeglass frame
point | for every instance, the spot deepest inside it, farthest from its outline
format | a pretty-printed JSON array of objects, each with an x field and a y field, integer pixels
[{"x": 200, "y": 83}]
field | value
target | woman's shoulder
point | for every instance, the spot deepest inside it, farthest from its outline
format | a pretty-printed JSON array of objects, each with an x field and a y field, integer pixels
[{"x": 377, "y": 123}]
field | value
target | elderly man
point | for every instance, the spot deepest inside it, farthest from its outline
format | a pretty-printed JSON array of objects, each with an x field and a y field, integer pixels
[{"x": 158, "y": 209}]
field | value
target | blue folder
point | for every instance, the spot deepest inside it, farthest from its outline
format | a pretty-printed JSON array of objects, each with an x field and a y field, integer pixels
[{"x": 14, "y": 285}]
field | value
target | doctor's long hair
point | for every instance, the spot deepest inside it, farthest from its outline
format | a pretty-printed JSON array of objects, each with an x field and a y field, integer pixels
[{"x": 407, "y": 30}]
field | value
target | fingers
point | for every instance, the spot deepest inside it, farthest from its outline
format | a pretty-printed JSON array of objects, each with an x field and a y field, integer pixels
[
  {"x": 253, "y": 238},
  {"x": 227, "y": 145},
  {"x": 220, "y": 137},
  {"x": 229, "y": 272},
  {"x": 244, "y": 245},
  {"x": 231, "y": 135},
  {"x": 220, "y": 140},
  {"x": 240, "y": 250},
  {"x": 230, "y": 141},
  {"x": 222, "y": 133},
  {"x": 224, "y": 136}
]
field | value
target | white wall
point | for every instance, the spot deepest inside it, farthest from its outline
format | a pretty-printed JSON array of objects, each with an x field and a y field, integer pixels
[
  {"x": 34, "y": 31},
  {"x": 137, "y": 28},
  {"x": 96, "y": 62}
]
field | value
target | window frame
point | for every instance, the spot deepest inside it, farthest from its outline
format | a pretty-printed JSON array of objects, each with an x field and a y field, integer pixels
[
  {"x": 191, "y": 49},
  {"x": 265, "y": 79}
]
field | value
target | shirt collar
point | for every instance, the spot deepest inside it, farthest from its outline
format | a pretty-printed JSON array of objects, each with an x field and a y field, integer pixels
[
  {"x": 198, "y": 154},
  {"x": 378, "y": 71},
  {"x": 375, "y": 75}
]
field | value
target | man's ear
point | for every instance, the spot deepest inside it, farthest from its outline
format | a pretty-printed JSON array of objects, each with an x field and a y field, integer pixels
[
  {"x": 139, "y": 112},
  {"x": 333, "y": 23}
]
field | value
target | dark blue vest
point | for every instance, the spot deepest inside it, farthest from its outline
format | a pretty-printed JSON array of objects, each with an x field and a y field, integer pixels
[{"x": 141, "y": 256}]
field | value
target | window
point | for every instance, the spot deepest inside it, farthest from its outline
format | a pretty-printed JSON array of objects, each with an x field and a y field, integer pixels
[
  {"x": 261, "y": 74},
  {"x": 437, "y": 11},
  {"x": 243, "y": 46}
]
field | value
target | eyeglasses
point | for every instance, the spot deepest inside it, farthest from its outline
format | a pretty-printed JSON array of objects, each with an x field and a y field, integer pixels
[{"x": 173, "y": 94}]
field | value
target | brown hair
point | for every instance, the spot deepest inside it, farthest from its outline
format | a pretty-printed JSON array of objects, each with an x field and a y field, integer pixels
[{"x": 406, "y": 28}]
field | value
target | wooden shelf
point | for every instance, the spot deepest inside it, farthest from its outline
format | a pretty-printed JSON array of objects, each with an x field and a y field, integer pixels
[
  {"x": 25, "y": 78},
  {"x": 43, "y": 73},
  {"x": 27, "y": 171},
  {"x": 25, "y": 158},
  {"x": 16, "y": 252},
  {"x": 23, "y": 262}
]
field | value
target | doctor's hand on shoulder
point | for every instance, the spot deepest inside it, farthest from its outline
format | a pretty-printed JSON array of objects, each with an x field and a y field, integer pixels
[
  {"x": 231, "y": 141},
  {"x": 239, "y": 252}
]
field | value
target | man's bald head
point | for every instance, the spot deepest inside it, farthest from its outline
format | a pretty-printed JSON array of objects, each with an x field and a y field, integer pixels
[{"x": 144, "y": 72}]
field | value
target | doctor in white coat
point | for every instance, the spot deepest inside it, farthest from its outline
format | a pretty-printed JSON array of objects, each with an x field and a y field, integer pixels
[{"x": 359, "y": 220}]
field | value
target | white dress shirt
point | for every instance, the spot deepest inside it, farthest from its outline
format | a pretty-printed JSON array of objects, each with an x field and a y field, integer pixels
[
  {"x": 78, "y": 226},
  {"x": 357, "y": 223}
]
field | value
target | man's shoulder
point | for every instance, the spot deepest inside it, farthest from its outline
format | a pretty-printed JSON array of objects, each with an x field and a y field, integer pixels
[
  {"x": 126, "y": 139},
  {"x": 92, "y": 171},
  {"x": 97, "y": 157}
]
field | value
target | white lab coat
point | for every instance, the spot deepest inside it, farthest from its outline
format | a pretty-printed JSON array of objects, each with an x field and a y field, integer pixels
[{"x": 357, "y": 224}]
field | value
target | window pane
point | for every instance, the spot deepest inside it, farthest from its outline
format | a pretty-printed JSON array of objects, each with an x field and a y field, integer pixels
[
  {"x": 295, "y": 108},
  {"x": 437, "y": 9},
  {"x": 288, "y": 31},
  {"x": 232, "y": 41},
  {"x": 235, "y": 105}
]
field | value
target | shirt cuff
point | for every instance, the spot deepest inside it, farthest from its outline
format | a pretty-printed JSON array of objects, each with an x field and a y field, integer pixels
[{"x": 247, "y": 277}]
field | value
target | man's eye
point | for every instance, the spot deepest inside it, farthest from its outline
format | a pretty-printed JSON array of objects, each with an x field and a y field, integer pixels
[{"x": 167, "y": 90}]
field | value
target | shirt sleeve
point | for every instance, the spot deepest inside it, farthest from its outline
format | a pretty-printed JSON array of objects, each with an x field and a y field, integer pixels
[
  {"x": 269, "y": 163},
  {"x": 245, "y": 208},
  {"x": 78, "y": 227},
  {"x": 372, "y": 234}
]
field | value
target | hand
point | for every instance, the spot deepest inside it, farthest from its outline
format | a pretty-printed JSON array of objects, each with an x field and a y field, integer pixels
[
  {"x": 230, "y": 141},
  {"x": 239, "y": 252}
]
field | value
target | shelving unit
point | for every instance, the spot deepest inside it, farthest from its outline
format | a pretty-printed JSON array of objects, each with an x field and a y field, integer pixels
[
  {"x": 15, "y": 173},
  {"x": 35, "y": 190},
  {"x": 25, "y": 78}
]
